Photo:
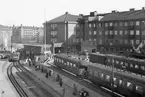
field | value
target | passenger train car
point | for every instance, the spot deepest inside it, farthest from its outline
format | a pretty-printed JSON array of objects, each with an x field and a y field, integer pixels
[
  {"x": 120, "y": 62},
  {"x": 123, "y": 83}
]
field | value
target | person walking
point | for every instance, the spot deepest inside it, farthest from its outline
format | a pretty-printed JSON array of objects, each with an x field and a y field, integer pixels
[
  {"x": 74, "y": 89},
  {"x": 60, "y": 82}
]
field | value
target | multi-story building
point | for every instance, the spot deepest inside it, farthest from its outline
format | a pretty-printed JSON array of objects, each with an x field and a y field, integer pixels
[
  {"x": 115, "y": 31},
  {"x": 87, "y": 31},
  {"x": 16, "y": 34},
  {"x": 5, "y": 37},
  {"x": 27, "y": 34},
  {"x": 121, "y": 31},
  {"x": 61, "y": 31}
]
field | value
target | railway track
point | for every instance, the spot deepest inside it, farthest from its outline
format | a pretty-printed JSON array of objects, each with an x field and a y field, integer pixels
[
  {"x": 18, "y": 88},
  {"x": 43, "y": 92}
]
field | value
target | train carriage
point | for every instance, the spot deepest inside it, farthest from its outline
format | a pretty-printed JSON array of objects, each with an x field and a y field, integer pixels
[
  {"x": 125, "y": 84},
  {"x": 120, "y": 62},
  {"x": 69, "y": 64}
]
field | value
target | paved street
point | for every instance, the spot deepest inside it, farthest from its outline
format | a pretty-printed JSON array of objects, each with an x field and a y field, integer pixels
[{"x": 6, "y": 88}]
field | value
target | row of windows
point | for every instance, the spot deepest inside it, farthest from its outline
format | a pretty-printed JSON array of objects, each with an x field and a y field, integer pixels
[
  {"x": 131, "y": 32},
  {"x": 53, "y": 33},
  {"x": 53, "y": 40},
  {"x": 117, "y": 81},
  {"x": 126, "y": 64},
  {"x": 65, "y": 63},
  {"x": 111, "y": 42},
  {"x": 90, "y": 39},
  {"x": 121, "y": 32},
  {"x": 53, "y": 26},
  {"x": 131, "y": 23}
]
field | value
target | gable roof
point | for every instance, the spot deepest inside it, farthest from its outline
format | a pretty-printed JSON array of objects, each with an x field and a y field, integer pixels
[
  {"x": 125, "y": 15},
  {"x": 64, "y": 18}
]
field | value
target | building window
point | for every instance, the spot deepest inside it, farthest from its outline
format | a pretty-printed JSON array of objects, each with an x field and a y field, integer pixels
[
  {"x": 94, "y": 25},
  {"x": 137, "y": 32},
  {"x": 137, "y": 41},
  {"x": 95, "y": 33},
  {"x": 116, "y": 41},
  {"x": 125, "y": 32},
  {"x": 121, "y": 32},
  {"x": 125, "y": 41},
  {"x": 99, "y": 24},
  {"x": 111, "y": 24},
  {"x": 106, "y": 32},
  {"x": 90, "y": 25},
  {"x": 131, "y": 32},
  {"x": 120, "y": 24},
  {"x": 90, "y": 32},
  {"x": 137, "y": 23},
  {"x": 111, "y": 32},
  {"x": 115, "y": 24},
  {"x": 125, "y": 24},
  {"x": 131, "y": 23},
  {"x": 90, "y": 39},
  {"x": 131, "y": 41},
  {"x": 94, "y": 39},
  {"x": 106, "y": 24},
  {"x": 121, "y": 41},
  {"x": 100, "y": 41},
  {"x": 115, "y": 32},
  {"x": 100, "y": 32}
]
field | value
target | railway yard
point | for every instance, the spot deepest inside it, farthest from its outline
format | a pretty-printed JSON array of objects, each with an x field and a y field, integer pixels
[{"x": 43, "y": 78}]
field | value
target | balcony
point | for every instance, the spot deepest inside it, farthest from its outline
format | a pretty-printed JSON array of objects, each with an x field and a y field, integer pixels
[
  {"x": 131, "y": 27},
  {"x": 53, "y": 35},
  {"x": 110, "y": 36},
  {"x": 131, "y": 36},
  {"x": 110, "y": 28}
]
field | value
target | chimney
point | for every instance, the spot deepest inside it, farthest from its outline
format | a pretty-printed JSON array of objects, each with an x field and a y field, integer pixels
[
  {"x": 143, "y": 8},
  {"x": 80, "y": 14},
  {"x": 95, "y": 13},
  {"x": 91, "y": 13},
  {"x": 66, "y": 12},
  {"x": 113, "y": 11},
  {"x": 132, "y": 9}
]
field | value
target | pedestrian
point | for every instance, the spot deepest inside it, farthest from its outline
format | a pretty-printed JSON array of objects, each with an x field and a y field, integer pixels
[
  {"x": 49, "y": 72},
  {"x": 60, "y": 82},
  {"x": 74, "y": 89},
  {"x": 57, "y": 77},
  {"x": 46, "y": 75}
]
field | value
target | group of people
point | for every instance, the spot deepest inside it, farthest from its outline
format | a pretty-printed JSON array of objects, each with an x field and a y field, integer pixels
[
  {"x": 82, "y": 92},
  {"x": 83, "y": 73}
]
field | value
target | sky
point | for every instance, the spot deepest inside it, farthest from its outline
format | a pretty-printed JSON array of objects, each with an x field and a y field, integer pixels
[{"x": 35, "y": 12}]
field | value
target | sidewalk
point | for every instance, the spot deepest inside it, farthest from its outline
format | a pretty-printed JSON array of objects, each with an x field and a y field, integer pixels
[
  {"x": 6, "y": 88},
  {"x": 52, "y": 83}
]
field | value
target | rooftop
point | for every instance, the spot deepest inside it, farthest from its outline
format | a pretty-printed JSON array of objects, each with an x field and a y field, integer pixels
[
  {"x": 125, "y": 15},
  {"x": 64, "y": 18}
]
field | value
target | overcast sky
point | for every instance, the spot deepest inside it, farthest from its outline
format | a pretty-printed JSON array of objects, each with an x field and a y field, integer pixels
[{"x": 35, "y": 12}]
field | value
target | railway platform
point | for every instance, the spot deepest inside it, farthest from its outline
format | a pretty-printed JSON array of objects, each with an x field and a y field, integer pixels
[
  {"x": 67, "y": 83},
  {"x": 6, "y": 88},
  {"x": 64, "y": 91}
]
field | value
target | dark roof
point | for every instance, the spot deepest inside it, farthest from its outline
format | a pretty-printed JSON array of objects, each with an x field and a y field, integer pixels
[
  {"x": 126, "y": 15},
  {"x": 65, "y": 17}
]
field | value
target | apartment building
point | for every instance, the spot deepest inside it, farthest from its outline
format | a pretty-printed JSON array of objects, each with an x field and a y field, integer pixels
[
  {"x": 113, "y": 32},
  {"x": 61, "y": 31},
  {"x": 5, "y": 37}
]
